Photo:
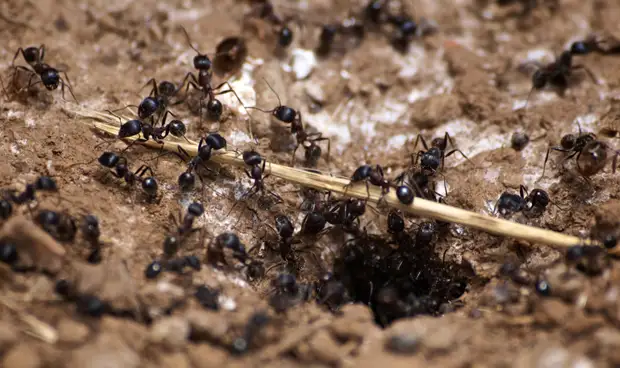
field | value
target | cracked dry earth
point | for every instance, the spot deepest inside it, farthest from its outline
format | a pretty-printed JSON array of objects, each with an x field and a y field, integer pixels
[{"x": 469, "y": 78}]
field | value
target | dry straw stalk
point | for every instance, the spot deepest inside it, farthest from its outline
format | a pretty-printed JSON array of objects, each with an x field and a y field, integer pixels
[{"x": 420, "y": 207}]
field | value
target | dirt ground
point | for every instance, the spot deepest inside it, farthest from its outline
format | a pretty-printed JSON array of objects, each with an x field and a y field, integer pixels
[{"x": 469, "y": 79}]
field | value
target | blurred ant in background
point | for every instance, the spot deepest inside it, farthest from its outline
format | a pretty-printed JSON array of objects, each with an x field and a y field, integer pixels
[{"x": 48, "y": 76}]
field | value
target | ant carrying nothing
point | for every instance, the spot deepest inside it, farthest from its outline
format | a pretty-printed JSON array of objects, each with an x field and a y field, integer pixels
[
  {"x": 42, "y": 184},
  {"x": 591, "y": 153},
  {"x": 206, "y": 145},
  {"x": 158, "y": 99},
  {"x": 532, "y": 204},
  {"x": 432, "y": 158},
  {"x": 254, "y": 160},
  {"x": 593, "y": 43},
  {"x": 183, "y": 227},
  {"x": 307, "y": 140},
  {"x": 265, "y": 11},
  {"x": 557, "y": 74},
  {"x": 202, "y": 83},
  {"x": 49, "y": 76},
  {"x": 374, "y": 175},
  {"x": 137, "y": 126},
  {"x": 119, "y": 168}
]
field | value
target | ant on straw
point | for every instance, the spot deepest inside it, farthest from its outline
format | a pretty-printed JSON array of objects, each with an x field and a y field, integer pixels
[
  {"x": 591, "y": 154},
  {"x": 158, "y": 99},
  {"x": 202, "y": 83},
  {"x": 374, "y": 175},
  {"x": 556, "y": 73},
  {"x": 307, "y": 140},
  {"x": 49, "y": 76},
  {"x": 212, "y": 141}
]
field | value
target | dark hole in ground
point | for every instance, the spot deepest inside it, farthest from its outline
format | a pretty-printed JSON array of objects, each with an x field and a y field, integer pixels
[{"x": 399, "y": 280}]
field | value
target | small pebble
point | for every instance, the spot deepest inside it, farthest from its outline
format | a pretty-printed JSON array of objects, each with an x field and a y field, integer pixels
[{"x": 304, "y": 62}]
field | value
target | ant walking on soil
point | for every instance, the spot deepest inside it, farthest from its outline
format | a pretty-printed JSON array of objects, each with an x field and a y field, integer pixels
[
  {"x": 118, "y": 167},
  {"x": 304, "y": 139},
  {"x": 557, "y": 73},
  {"x": 432, "y": 157},
  {"x": 183, "y": 228},
  {"x": 591, "y": 154},
  {"x": 206, "y": 145},
  {"x": 49, "y": 76},
  {"x": 532, "y": 204},
  {"x": 202, "y": 83}
]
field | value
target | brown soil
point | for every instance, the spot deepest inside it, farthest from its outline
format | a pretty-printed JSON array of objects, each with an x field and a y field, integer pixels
[{"x": 464, "y": 79}]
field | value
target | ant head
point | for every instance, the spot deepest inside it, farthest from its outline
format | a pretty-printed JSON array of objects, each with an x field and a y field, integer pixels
[
  {"x": 539, "y": 198},
  {"x": 439, "y": 143},
  {"x": 148, "y": 107},
  {"x": 285, "y": 114},
  {"x": 285, "y": 282},
  {"x": 201, "y": 61},
  {"x": 431, "y": 159},
  {"x": 149, "y": 185},
  {"x": 166, "y": 88},
  {"x": 186, "y": 181},
  {"x": 153, "y": 270},
  {"x": 196, "y": 209},
  {"x": 204, "y": 152},
  {"x": 610, "y": 241},
  {"x": 395, "y": 223},
  {"x": 50, "y": 78},
  {"x": 228, "y": 240},
  {"x": 109, "y": 159},
  {"x": 285, "y": 36},
  {"x": 46, "y": 183},
  {"x": 177, "y": 128},
  {"x": 252, "y": 158},
  {"x": 216, "y": 141},
  {"x": 404, "y": 194},
  {"x": 373, "y": 10},
  {"x": 568, "y": 141},
  {"x": 215, "y": 109},
  {"x": 408, "y": 27},
  {"x": 580, "y": 48},
  {"x": 32, "y": 55},
  {"x": 284, "y": 226},
  {"x": 6, "y": 209},
  {"x": 539, "y": 79}
]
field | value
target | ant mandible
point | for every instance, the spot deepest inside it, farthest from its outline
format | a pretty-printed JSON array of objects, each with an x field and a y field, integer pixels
[
  {"x": 308, "y": 141},
  {"x": 49, "y": 76}
]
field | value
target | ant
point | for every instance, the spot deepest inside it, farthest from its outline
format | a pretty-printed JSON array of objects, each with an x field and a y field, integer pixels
[
  {"x": 42, "y": 184},
  {"x": 557, "y": 73},
  {"x": 265, "y": 11},
  {"x": 119, "y": 168},
  {"x": 255, "y": 324},
  {"x": 253, "y": 159},
  {"x": 532, "y": 204},
  {"x": 374, "y": 175},
  {"x": 184, "y": 228},
  {"x": 396, "y": 227},
  {"x": 49, "y": 76},
  {"x": 592, "y": 44},
  {"x": 158, "y": 99},
  {"x": 61, "y": 226},
  {"x": 223, "y": 242},
  {"x": 206, "y": 145},
  {"x": 589, "y": 259},
  {"x": 591, "y": 154},
  {"x": 346, "y": 213},
  {"x": 91, "y": 232},
  {"x": 307, "y": 140},
  {"x": 137, "y": 126},
  {"x": 202, "y": 83},
  {"x": 436, "y": 155}
]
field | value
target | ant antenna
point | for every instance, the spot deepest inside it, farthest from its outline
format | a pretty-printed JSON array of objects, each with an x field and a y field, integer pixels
[
  {"x": 275, "y": 93},
  {"x": 528, "y": 99},
  {"x": 189, "y": 41},
  {"x": 578, "y": 126}
]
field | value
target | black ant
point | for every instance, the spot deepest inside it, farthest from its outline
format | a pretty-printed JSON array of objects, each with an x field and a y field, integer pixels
[
  {"x": 134, "y": 127},
  {"x": 589, "y": 259},
  {"x": 255, "y": 324},
  {"x": 396, "y": 226},
  {"x": 226, "y": 242},
  {"x": 202, "y": 83},
  {"x": 61, "y": 226},
  {"x": 184, "y": 228},
  {"x": 532, "y": 204},
  {"x": 591, "y": 154},
  {"x": 432, "y": 158},
  {"x": 308, "y": 141},
  {"x": 265, "y": 11},
  {"x": 253, "y": 159},
  {"x": 158, "y": 99},
  {"x": 49, "y": 76},
  {"x": 91, "y": 233},
  {"x": 593, "y": 44},
  {"x": 206, "y": 145},
  {"x": 42, "y": 184},
  {"x": 346, "y": 213},
  {"x": 118, "y": 167},
  {"x": 557, "y": 73},
  {"x": 374, "y": 175}
]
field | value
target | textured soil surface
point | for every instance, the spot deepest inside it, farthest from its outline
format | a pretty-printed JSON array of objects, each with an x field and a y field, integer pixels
[{"x": 470, "y": 77}]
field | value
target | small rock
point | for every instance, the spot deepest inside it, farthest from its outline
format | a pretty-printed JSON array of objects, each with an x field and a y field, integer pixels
[
  {"x": 71, "y": 332},
  {"x": 22, "y": 356},
  {"x": 304, "y": 62},
  {"x": 432, "y": 111},
  {"x": 198, "y": 352},
  {"x": 158, "y": 297},
  {"x": 315, "y": 92},
  {"x": 206, "y": 325},
  {"x": 357, "y": 312},
  {"x": 441, "y": 339},
  {"x": 171, "y": 332},
  {"x": 346, "y": 329},
  {"x": 134, "y": 334},
  {"x": 324, "y": 347},
  {"x": 8, "y": 336}
]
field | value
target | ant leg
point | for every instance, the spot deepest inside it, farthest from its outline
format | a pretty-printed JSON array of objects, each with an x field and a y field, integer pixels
[
  {"x": 17, "y": 54},
  {"x": 559, "y": 149},
  {"x": 462, "y": 154},
  {"x": 318, "y": 137},
  {"x": 230, "y": 90},
  {"x": 62, "y": 89},
  {"x": 587, "y": 70},
  {"x": 294, "y": 158},
  {"x": 417, "y": 140},
  {"x": 192, "y": 82},
  {"x": 523, "y": 189},
  {"x": 155, "y": 90}
]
